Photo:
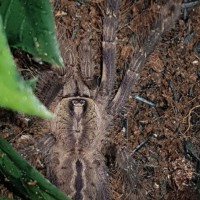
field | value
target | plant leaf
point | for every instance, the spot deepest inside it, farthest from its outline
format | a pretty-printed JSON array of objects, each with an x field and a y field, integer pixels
[
  {"x": 14, "y": 93},
  {"x": 29, "y": 26}
]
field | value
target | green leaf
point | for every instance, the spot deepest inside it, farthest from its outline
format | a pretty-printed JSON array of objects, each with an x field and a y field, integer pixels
[
  {"x": 29, "y": 26},
  {"x": 25, "y": 179},
  {"x": 32, "y": 83},
  {"x": 14, "y": 93}
]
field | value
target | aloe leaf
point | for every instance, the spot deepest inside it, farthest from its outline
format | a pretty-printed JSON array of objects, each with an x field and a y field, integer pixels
[
  {"x": 14, "y": 93},
  {"x": 29, "y": 26},
  {"x": 25, "y": 179}
]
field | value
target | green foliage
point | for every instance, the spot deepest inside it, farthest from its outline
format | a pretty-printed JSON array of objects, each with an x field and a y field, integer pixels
[
  {"x": 29, "y": 26},
  {"x": 25, "y": 179},
  {"x": 14, "y": 93}
]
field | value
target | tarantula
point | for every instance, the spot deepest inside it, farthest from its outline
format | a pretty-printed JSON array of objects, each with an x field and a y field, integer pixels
[{"x": 77, "y": 139}]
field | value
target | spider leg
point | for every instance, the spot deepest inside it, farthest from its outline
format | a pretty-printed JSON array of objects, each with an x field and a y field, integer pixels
[
  {"x": 86, "y": 64},
  {"x": 36, "y": 150},
  {"x": 109, "y": 47},
  {"x": 48, "y": 86},
  {"x": 128, "y": 169},
  {"x": 168, "y": 15},
  {"x": 51, "y": 82}
]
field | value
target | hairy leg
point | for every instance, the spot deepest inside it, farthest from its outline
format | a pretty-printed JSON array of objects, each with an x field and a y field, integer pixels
[
  {"x": 109, "y": 47},
  {"x": 168, "y": 15},
  {"x": 48, "y": 86},
  {"x": 86, "y": 63},
  {"x": 128, "y": 171}
]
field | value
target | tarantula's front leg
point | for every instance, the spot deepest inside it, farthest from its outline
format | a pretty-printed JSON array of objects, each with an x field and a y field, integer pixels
[
  {"x": 168, "y": 15},
  {"x": 109, "y": 47},
  {"x": 86, "y": 63}
]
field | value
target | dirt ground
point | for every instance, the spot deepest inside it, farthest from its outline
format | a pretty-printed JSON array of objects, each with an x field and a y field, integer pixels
[{"x": 160, "y": 123}]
